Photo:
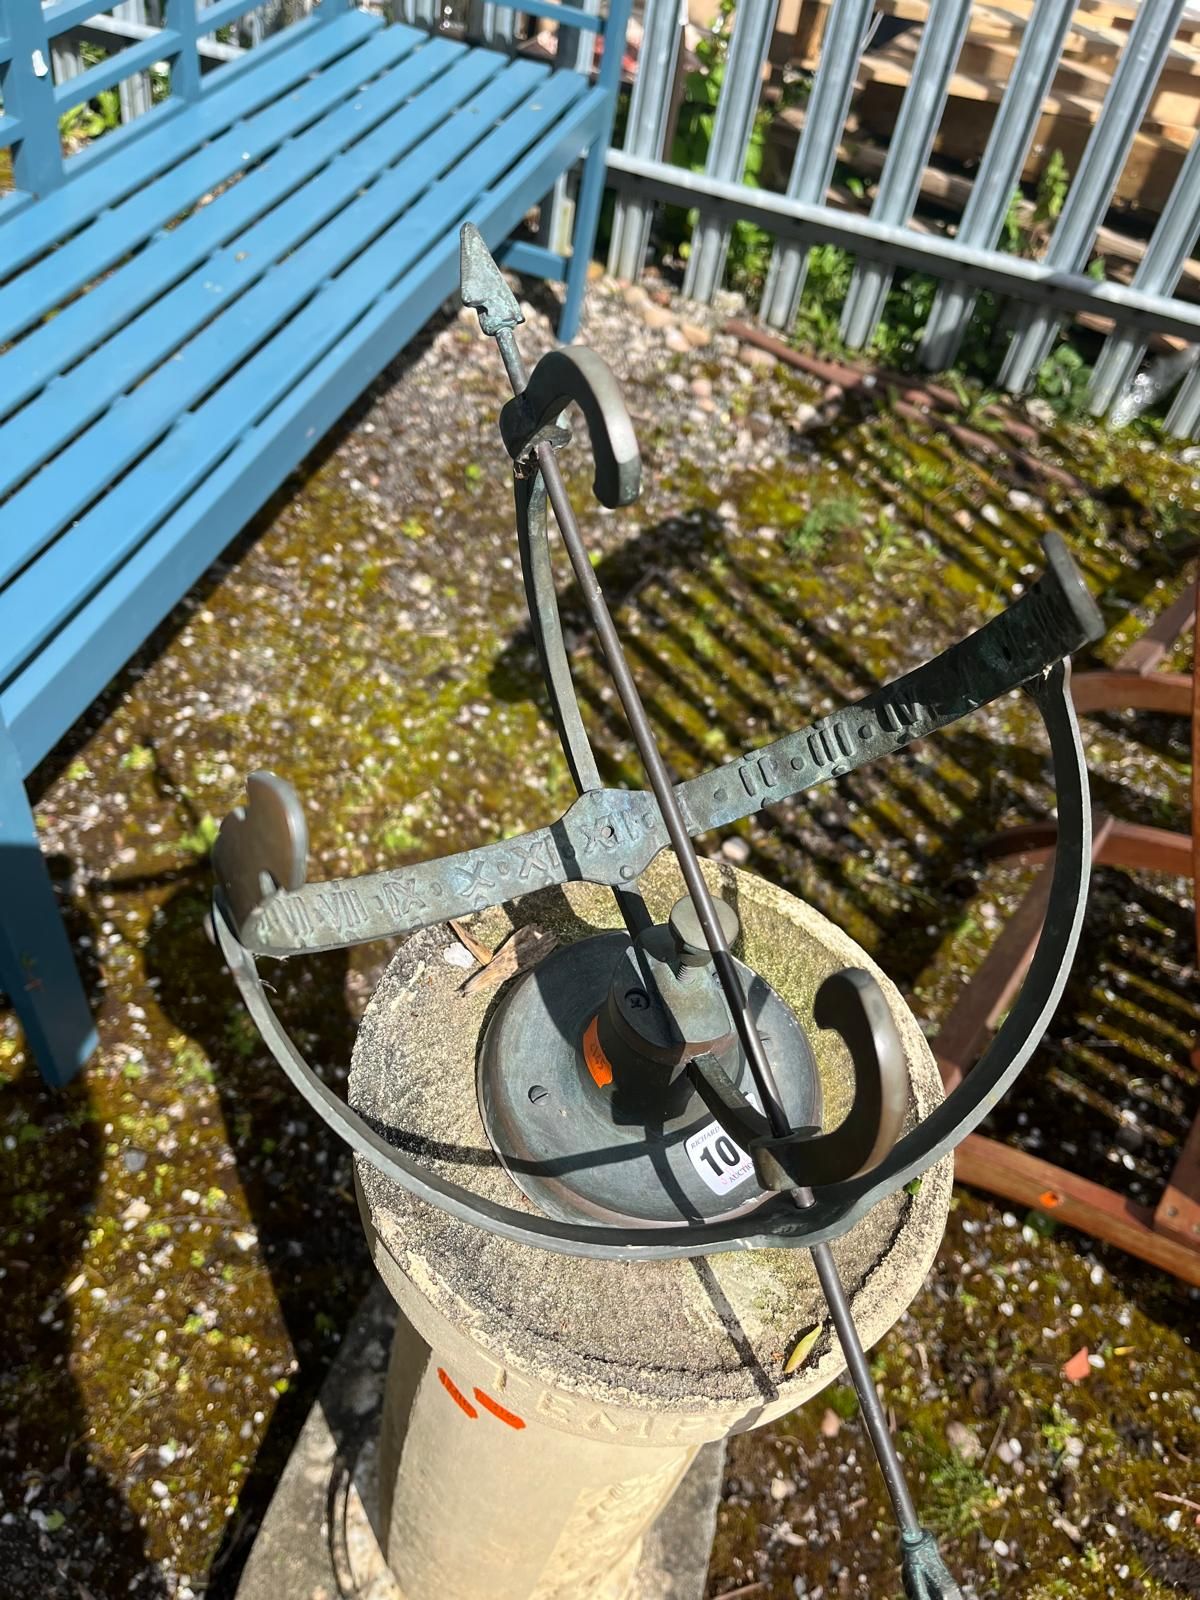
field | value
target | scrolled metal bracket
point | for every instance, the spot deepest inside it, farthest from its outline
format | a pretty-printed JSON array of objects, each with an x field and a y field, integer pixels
[
  {"x": 777, "y": 1224},
  {"x": 264, "y": 907},
  {"x": 576, "y": 376},
  {"x": 853, "y": 1005}
]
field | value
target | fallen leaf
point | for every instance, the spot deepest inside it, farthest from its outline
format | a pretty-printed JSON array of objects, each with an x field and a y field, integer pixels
[
  {"x": 1077, "y": 1368},
  {"x": 801, "y": 1348}
]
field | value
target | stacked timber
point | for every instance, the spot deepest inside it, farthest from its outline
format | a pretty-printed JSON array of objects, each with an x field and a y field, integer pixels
[{"x": 1099, "y": 31}]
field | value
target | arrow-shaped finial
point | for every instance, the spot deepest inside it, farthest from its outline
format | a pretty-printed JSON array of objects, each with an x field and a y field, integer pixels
[{"x": 483, "y": 285}]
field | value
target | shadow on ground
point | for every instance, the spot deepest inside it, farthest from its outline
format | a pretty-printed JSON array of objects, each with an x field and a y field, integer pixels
[{"x": 365, "y": 638}]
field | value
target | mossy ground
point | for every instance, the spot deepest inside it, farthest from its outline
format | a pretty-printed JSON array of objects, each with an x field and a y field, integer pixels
[{"x": 182, "y": 1248}]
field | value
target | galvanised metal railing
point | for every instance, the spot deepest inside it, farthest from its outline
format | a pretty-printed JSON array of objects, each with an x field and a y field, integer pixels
[{"x": 885, "y": 241}]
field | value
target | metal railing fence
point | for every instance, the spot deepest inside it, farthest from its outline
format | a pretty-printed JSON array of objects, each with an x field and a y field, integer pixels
[
  {"x": 886, "y": 240},
  {"x": 799, "y": 215}
]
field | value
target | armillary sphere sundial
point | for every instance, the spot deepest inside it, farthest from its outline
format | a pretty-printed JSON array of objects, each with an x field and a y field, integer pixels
[{"x": 646, "y": 1039}]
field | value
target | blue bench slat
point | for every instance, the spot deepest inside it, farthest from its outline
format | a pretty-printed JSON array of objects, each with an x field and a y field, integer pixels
[
  {"x": 36, "y": 513},
  {"x": 300, "y": 50},
  {"x": 48, "y": 501},
  {"x": 43, "y": 596},
  {"x": 10, "y": 204},
  {"x": 45, "y": 285},
  {"x": 383, "y": 129},
  {"x": 91, "y": 648},
  {"x": 116, "y": 141}
]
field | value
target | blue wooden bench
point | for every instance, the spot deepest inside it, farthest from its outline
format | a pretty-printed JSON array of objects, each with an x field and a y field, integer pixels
[{"x": 169, "y": 361}]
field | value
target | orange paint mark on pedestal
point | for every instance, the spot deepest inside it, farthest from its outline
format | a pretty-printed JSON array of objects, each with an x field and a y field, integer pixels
[
  {"x": 456, "y": 1393},
  {"x": 497, "y": 1410}
]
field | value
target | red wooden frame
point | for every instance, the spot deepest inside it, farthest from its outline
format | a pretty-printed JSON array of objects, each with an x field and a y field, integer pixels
[{"x": 1167, "y": 1236}]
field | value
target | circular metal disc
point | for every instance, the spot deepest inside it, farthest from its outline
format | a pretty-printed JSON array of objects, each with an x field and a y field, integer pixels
[{"x": 563, "y": 1137}]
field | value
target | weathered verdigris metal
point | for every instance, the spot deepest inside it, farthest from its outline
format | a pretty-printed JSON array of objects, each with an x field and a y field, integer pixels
[
  {"x": 666, "y": 1021},
  {"x": 265, "y": 906}
]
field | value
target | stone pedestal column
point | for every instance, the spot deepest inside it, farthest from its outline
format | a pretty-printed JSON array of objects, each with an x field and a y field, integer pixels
[
  {"x": 542, "y": 1409},
  {"x": 490, "y": 1490}
]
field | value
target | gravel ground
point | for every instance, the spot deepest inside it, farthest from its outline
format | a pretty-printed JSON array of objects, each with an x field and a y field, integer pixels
[{"x": 182, "y": 1249}]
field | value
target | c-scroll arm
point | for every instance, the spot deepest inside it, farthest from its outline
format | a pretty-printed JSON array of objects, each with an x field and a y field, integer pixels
[{"x": 577, "y": 376}]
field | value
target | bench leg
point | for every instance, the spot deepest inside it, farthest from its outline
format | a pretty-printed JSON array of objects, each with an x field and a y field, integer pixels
[
  {"x": 587, "y": 217},
  {"x": 37, "y": 969}
]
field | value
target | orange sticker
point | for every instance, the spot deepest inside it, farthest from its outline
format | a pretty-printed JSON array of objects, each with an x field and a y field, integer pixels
[
  {"x": 1049, "y": 1199},
  {"x": 598, "y": 1063},
  {"x": 497, "y": 1410},
  {"x": 456, "y": 1393}
]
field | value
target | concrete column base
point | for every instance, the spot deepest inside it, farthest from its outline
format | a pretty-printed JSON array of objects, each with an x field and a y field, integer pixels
[
  {"x": 542, "y": 1409},
  {"x": 474, "y": 1496},
  {"x": 321, "y": 1538}
]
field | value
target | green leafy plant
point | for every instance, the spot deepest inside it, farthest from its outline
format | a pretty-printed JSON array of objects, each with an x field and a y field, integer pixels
[
  {"x": 905, "y": 313},
  {"x": 92, "y": 118},
  {"x": 838, "y": 514},
  {"x": 1062, "y": 380},
  {"x": 957, "y": 1492},
  {"x": 397, "y": 837},
  {"x": 241, "y": 1035},
  {"x": 749, "y": 245},
  {"x": 1054, "y": 184},
  {"x": 976, "y": 405},
  {"x": 200, "y": 840},
  {"x": 842, "y": 1401},
  {"x": 1058, "y": 1429},
  {"x": 192, "y": 1064},
  {"x": 102, "y": 111},
  {"x": 830, "y": 269}
]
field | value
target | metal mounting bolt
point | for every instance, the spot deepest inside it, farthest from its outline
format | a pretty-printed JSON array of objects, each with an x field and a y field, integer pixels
[
  {"x": 537, "y": 1093},
  {"x": 690, "y": 943}
]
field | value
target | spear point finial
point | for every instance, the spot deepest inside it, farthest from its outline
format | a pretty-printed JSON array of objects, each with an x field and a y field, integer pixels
[{"x": 483, "y": 286}]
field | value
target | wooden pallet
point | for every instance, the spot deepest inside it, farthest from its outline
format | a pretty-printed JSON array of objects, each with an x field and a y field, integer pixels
[
  {"x": 1069, "y": 113},
  {"x": 1090, "y": 51}
]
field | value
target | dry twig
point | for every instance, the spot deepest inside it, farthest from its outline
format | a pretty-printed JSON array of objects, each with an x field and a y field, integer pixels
[
  {"x": 521, "y": 950},
  {"x": 483, "y": 953}
]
